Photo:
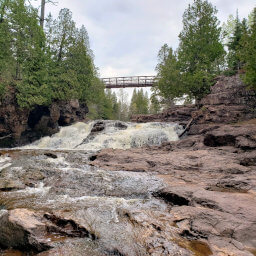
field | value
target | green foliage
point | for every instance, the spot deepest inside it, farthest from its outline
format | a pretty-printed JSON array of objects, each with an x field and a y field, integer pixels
[
  {"x": 155, "y": 105},
  {"x": 200, "y": 50},
  {"x": 139, "y": 103},
  {"x": 199, "y": 57},
  {"x": 103, "y": 104},
  {"x": 235, "y": 46},
  {"x": 110, "y": 106},
  {"x": 55, "y": 64},
  {"x": 6, "y": 59},
  {"x": 248, "y": 53},
  {"x": 228, "y": 29},
  {"x": 169, "y": 84}
]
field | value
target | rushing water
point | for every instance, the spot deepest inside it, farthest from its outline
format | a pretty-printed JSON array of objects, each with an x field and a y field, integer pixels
[
  {"x": 54, "y": 175},
  {"x": 114, "y": 134}
]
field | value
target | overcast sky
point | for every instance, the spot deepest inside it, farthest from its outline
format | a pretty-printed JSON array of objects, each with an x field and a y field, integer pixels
[{"x": 126, "y": 35}]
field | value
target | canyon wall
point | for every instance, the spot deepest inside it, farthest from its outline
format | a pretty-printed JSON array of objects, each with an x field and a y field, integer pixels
[{"x": 20, "y": 126}]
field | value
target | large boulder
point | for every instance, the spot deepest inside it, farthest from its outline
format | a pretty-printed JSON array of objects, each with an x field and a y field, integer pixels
[
  {"x": 22, "y": 229},
  {"x": 230, "y": 101}
]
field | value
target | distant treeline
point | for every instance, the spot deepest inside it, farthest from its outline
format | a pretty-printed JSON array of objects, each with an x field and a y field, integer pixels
[{"x": 205, "y": 51}]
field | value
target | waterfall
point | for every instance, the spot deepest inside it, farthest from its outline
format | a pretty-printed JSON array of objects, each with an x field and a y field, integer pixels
[{"x": 96, "y": 135}]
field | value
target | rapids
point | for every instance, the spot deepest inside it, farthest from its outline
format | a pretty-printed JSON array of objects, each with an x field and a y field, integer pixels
[
  {"x": 110, "y": 134},
  {"x": 54, "y": 176}
]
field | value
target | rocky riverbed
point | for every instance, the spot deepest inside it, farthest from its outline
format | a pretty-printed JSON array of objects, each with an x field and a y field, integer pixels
[
  {"x": 129, "y": 189},
  {"x": 195, "y": 196}
]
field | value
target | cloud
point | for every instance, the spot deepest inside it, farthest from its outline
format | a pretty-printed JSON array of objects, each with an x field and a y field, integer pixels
[{"x": 126, "y": 35}]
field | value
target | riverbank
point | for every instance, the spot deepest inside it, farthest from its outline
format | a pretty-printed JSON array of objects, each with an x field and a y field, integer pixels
[
  {"x": 209, "y": 185},
  {"x": 195, "y": 196},
  {"x": 73, "y": 194}
]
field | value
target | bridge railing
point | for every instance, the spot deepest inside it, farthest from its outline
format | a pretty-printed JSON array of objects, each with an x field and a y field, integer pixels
[{"x": 130, "y": 81}]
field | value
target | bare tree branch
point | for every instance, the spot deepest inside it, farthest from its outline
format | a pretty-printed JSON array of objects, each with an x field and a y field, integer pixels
[
  {"x": 5, "y": 137},
  {"x": 43, "y": 3}
]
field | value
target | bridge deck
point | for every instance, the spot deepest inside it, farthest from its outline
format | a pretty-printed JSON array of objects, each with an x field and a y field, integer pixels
[{"x": 130, "y": 81}]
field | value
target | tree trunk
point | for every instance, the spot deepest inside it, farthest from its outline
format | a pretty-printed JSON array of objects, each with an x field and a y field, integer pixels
[{"x": 42, "y": 13}]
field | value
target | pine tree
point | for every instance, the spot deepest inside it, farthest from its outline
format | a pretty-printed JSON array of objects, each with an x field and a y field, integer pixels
[
  {"x": 6, "y": 58},
  {"x": 200, "y": 48},
  {"x": 169, "y": 84},
  {"x": 28, "y": 49},
  {"x": 139, "y": 103},
  {"x": 234, "y": 46},
  {"x": 73, "y": 70},
  {"x": 155, "y": 106},
  {"x": 248, "y": 53}
]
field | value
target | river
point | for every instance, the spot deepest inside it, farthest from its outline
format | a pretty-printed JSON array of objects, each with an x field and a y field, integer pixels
[{"x": 116, "y": 208}]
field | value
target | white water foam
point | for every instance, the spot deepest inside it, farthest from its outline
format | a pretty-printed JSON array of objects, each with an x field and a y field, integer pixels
[
  {"x": 5, "y": 162},
  {"x": 79, "y": 136}
]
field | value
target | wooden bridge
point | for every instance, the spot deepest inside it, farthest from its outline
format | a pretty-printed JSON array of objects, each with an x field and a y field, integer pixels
[{"x": 129, "y": 81}]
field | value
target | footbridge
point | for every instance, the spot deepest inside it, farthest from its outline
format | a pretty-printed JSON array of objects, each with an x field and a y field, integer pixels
[{"x": 129, "y": 81}]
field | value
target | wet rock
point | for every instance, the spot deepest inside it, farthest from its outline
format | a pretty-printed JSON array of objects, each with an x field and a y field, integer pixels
[
  {"x": 229, "y": 101},
  {"x": 121, "y": 125},
  {"x": 231, "y": 185},
  {"x": 22, "y": 229},
  {"x": 51, "y": 155},
  {"x": 34, "y": 232},
  {"x": 76, "y": 247},
  {"x": 172, "y": 198},
  {"x": 98, "y": 127},
  {"x": 68, "y": 227},
  {"x": 209, "y": 186},
  {"x": 248, "y": 158},
  {"x": 7, "y": 185},
  {"x": 12, "y": 178}
]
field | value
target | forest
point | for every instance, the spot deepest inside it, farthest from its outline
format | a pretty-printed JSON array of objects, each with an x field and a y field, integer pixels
[
  {"x": 206, "y": 50},
  {"x": 49, "y": 59}
]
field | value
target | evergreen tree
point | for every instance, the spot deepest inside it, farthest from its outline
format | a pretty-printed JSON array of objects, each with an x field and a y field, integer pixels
[
  {"x": 234, "y": 46},
  {"x": 228, "y": 29},
  {"x": 73, "y": 70},
  {"x": 123, "y": 105},
  {"x": 139, "y": 103},
  {"x": 200, "y": 49},
  {"x": 28, "y": 50},
  {"x": 55, "y": 64},
  {"x": 248, "y": 53},
  {"x": 169, "y": 83},
  {"x": 6, "y": 58},
  {"x": 155, "y": 106},
  {"x": 133, "y": 105}
]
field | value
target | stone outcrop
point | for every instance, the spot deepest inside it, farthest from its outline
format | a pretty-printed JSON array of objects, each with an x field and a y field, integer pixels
[
  {"x": 177, "y": 114},
  {"x": 195, "y": 196},
  {"x": 22, "y": 229},
  {"x": 209, "y": 182},
  {"x": 35, "y": 232},
  {"x": 20, "y": 126},
  {"x": 229, "y": 102}
]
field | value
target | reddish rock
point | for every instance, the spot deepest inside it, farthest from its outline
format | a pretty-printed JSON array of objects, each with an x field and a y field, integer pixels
[
  {"x": 31, "y": 231},
  {"x": 22, "y": 229},
  {"x": 180, "y": 114},
  {"x": 210, "y": 186},
  {"x": 229, "y": 102},
  {"x": 20, "y": 126}
]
